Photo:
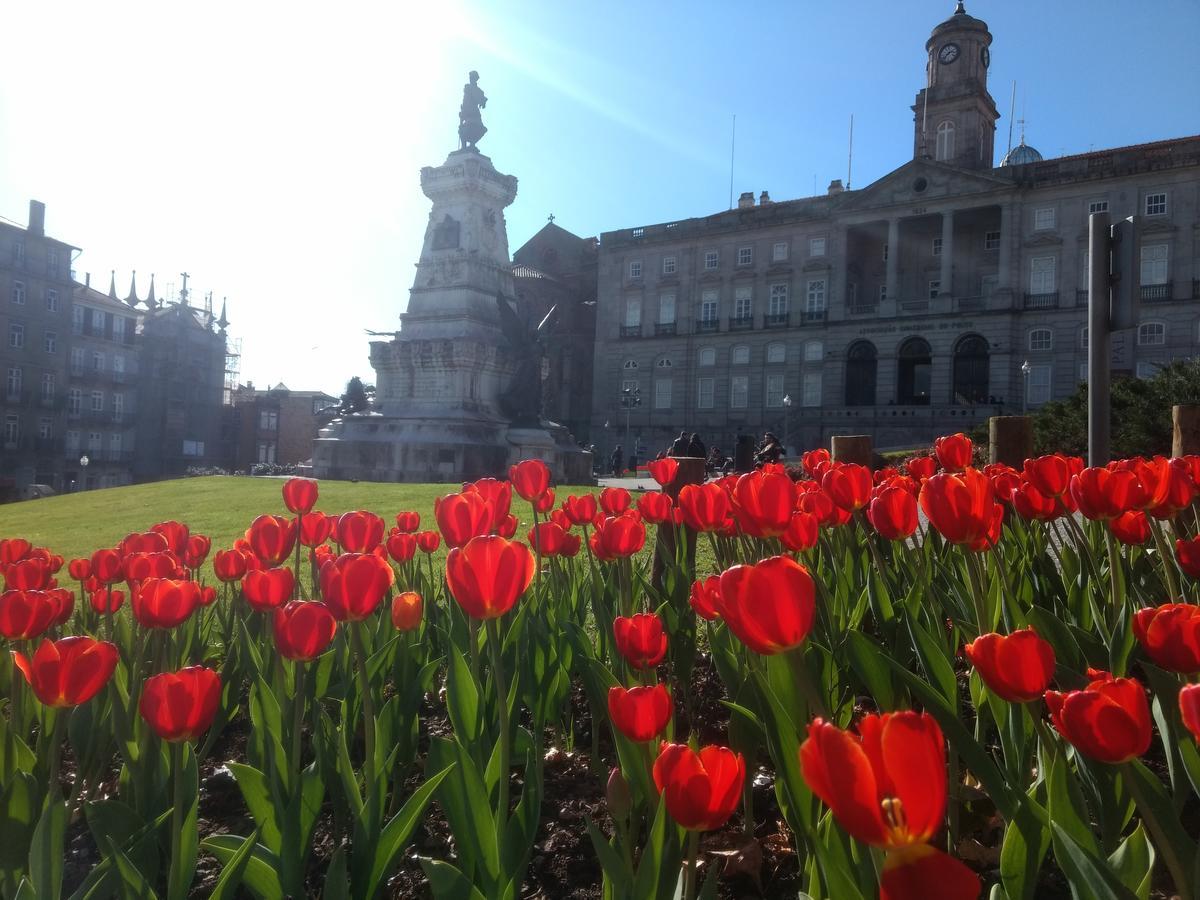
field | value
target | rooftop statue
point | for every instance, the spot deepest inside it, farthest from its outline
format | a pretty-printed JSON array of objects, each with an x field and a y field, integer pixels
[{"x": 470, "y": 122}]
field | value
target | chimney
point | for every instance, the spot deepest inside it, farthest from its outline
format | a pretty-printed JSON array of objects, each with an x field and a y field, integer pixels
[
  {"x": 87, "y": 279},
  {"x": 37, "y": 218},
  {"x": 746, "y": 200},
  {"x": 764, "y": 198},
  {"x": 835, "y": 187}
]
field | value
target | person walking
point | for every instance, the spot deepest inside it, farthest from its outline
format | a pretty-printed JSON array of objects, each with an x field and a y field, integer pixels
[{"x": 615, "y": 460}]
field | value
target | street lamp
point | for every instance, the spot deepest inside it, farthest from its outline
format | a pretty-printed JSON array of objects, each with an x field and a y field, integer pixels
[
  {"x": 630, "y": 398},
  {"x": 1026, "y": 368},
  {"x": 83, "y": 463},
  {"x": 787, "y": 410}
]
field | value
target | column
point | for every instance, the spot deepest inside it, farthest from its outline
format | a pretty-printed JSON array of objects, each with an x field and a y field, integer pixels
[
  {"x": 947, "y": 274},
  {"x": 1004, "y": 262},
  {"x": 838, "y": 304},
  {"x": 888, "y": 306}
]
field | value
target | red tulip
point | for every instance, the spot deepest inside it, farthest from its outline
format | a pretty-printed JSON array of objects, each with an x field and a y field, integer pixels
[
  {"x": 619, "y": 536},
  {"x": 571, "y": 545},
  {"x": 407, "y": 608},
  {"x": 954, "y": 452},
  {"x": 303, "y": 629},
  {"x": 462, "y": 517},
  {"x": 208, "y": 595},
  {"x": 764, "y": 501},
  {"x": 655, "y": 507},
  {"x": 408, "y": 521},
  {"x": 196, "y": 551},
  {"x": 705, "y": 597},
  {"x": 488, "y": 575},
  {"x": 140, "y": 566},
  {"x": 615, "y": 500},
  {"x": 530, "y": 478},
  {"x": 1189, "y": 708},
  {"x": 401, "y": 546},
  {"x": 145, "y": 542},
  {"x": 815, "y": 462},
  {"x": 354, "y": 584},
  {"x": 181, "y": 706},
  {"x": 663, "y": 470},
  {"x": 106, "y": 601},
  {"x": 26, "y": 614},
  {"x": 428, "y": 541},
  {"x": 704, "y": 507},
  {"x": 164, "y": 602},
  {"x": 507, "y": 526},
  {"x": 921, "y": 467},
  {"x": 1171, "y": 488},
  {"x": 106, "y": 566},
  {"x": 1187, "y": 552},
  {"x": 496, "y": 494},
  {"x": 358, "y": 531},
  {"x": 640, "y": 713},
  {"x": 770, "y": 605},
  {"x": 547, "y": 538},
  {"x": 175, "y": 534},
  {"x": 1106, "y": 493},
  {"x": 300, "y": 495},
  {"x": 70, "y": 671},
  {"x": 640, "y": 639},
  {"x": 1051, "y": 475},
  {"x": 543, "y": 502},
  {"x": 266, "y": 589},
  {"x": 1131, "y": 528},
  {"x": 580, "y": 510},
  {"x": 1109, "y": 720},
  {"x": 1170, "y": 635},
  {"x": 64, "y": 602},
  {"x": 821, "y": 507},
  {"x": 922, "y": 872},
  {"x": 893, "y": 513},
  {"x": 1030, "y": 502},
  {"x": 848, "y": 485},
  {"x": 229, "y": 565},
  {"x": 80, "y": 569},
  {"x": 1017, "y": 667},
  {"x": 13, "y": 549},
  {"x": 29, "y": 574},
  {"x": 272, "y": 539},
  {"x": 315, "y": 528},
  {"x": 801, "y": 533},
  {"x": 962, "y": 508},
  {"x": 701, "y": 788}
]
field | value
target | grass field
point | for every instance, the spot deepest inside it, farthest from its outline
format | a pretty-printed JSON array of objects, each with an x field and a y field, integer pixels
[{"x": 221, "y": 507}]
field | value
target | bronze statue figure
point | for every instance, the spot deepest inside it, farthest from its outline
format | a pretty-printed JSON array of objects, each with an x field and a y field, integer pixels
[
  {"x": 470, "y": 122},
  {"x": 522, "y": 400}
]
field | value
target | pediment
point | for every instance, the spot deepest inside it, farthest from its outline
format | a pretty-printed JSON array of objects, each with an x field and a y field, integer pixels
[
  {"x": 1044, "y": 239},
  {"x": 1156, "y": 226},
  {"x": 921, "y": 181}
]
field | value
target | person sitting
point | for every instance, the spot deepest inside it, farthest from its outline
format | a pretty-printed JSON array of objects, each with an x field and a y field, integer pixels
[{"x": 769, "y": 451}]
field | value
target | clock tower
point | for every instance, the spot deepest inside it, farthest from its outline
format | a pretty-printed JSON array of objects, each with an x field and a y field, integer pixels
[{"x": 954, "y": 115}]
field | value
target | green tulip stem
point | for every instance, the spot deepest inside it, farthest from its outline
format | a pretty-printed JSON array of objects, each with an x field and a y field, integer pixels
[
  {"x": 689, "y": 876},
  {"x": 56, "y": 717},
  {"x": 493, "y": 635},
  {"x": 15, "y": 693},
  {"x": 296, "y": 587},
  {"x": 1114, "y": 573},
  {"x": 1178, "y": 868},
  {"x": 1167, "y": 558},
  {"x": 176, "y": 809},
  {"x": 983, "y": 623},
  {"x": 368, "y": 705},
  {"x": 297, "y": 726}
]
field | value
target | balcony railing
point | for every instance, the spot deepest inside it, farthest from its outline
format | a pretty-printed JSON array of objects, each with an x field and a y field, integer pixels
[
  {"x": 1156, "y": 293},
  {"x": 631, "y": 331},
  {"x": 1042, "y": 301},
  {"x": 707, "y": 326},
  {"x": 776, "y": 320},
  {"x": 664, "y": 329},
  {"x": 741, "y": 323},
  {"x": 914, "y": 305},
  {"x": 970, "y": 304},
  {"x": 810, "y": 316},
  {"x": 1081, "y": 297},
  {"x": 864, "y": 309}
]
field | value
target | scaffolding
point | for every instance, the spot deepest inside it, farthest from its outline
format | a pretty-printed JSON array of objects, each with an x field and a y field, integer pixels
[{"x": 233, "y": 368}]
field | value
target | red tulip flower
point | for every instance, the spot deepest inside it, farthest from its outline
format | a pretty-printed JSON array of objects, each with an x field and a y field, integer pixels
[
  {"x": 848, "y": 485},
  {"x": 1170, "y": 635},
  {"x": 64, "y": 602},
  {"x": 655, "y": 506},
  {"x": 547, "y": 538},
  {"x": 181, "y": 706},
  {"x": 175, "y": 534},
  {"x": 70, "y": 671},
  {"x": 922, "y": 467},
  {"x": 893, "y": 513},
  {"x": 272, "y": 539},
  {"x": 954, "y": 452},
  {"x": 106, "y": 600},
  {"x": 705, "y": 597},
  {"x": 488, "y": 575},
  {"x": 13, "y": 549},
  {"x": 106, "y": 566},
  {"x": 765, "y": 501},
  {"x": 701, "y": 788},
  {"x": 462, "y": 517},
  {"x": 615, "y": 500},
  {"x": 704, "y": 507},
  {"x": 801, "y": 533},
  {"x": 497, "y": 496},
  {"x": 196, "y": 551},
  {"x": 530, "y": 478},
  {"x": 1017, "y": 667},
  {"x": 315, "y": 528},
  {"x": 663, "y": 470},
  {"x": 354, "y": 584},
  {"x": 26, "y": 614},
  {"x": 1051, "y": 475},
  {"x": 144, "y": 542},
  {"x": 640, "y": 713},
  {"x": 140, "y": 566},
  {"x": 408, "y": 521},
  {"x": 1130, "y": 528},
  {"x": 401, "y": 546},
  {"x": 267, "y": 589},
  {"x": 428, "y": 541},
  {"x": 1187, "y": 552},
  {"x": 1109, "y": 720},
  {"x": 770, "y": 605},
  {"x": 920, "y": 872},
  {"x": 1106, "y": 493},
  {"x": 29, "y": 574},
  {"x": 229, "y": 565},
  {"x": 80, "y": 569},
  {"x": 358, "y": 531},
  {"x": 407, "y": 608},
  {"x": 962, "y": 508},
  {"x": 164, "y": 602},
  {"x": 300, "y": 495},
  {"x": 303, "y": 629},
  {"x": 543, "y": 502},
  {"x": 1171, "y": 488},
  {"x": 1189, "y": 708},
  {"x": 580, "y": 510},
  {"x": 572, "y": 543},
  {"x": 640, "y": 639},
  {"x": 1031, "y": 503},
  {"x": 815, "y": 462},
  {"x": 619, "y": 536}
]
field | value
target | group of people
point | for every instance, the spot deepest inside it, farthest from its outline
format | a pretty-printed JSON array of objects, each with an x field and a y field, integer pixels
[{"x": 747, "y": 454}]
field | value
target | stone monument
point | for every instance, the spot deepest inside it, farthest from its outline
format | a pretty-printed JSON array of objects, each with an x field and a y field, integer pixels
[{"x": 458, "y": 389}]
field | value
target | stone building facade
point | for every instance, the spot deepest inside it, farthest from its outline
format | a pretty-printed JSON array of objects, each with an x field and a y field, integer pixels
[
  {"x": 278, "y": 425},
  {"x": 904, "y": 310}
]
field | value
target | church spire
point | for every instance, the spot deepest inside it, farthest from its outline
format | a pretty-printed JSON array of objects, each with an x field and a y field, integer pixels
[
  {"x": 132, "y": 299},
  {"x": 222, "y": 322},
  {"x": 151, "y": 301},
  {"x": 112, "y": 285}
]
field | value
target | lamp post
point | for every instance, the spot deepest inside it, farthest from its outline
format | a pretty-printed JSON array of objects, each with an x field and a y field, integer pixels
[
  {"x": 83, "y": 464},
  {"x": 787, "y": 410},
  {"x": 630, "y": 398},
  {"x": 1026, "y": 368}
]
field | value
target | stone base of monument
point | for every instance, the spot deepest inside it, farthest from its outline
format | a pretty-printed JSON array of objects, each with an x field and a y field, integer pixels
[{"x": 372, "y": 447}]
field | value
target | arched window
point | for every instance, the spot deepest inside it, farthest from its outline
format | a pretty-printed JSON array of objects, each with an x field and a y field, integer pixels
[
  {"x": 1152, "y": 334},
  {"x": 708, "y": 356},
  {"x": 914, "y": 374},
  {"x": 970, "y": 370},
  {"x": 776, "y": 353},
  {"x": 1041, "y": 339},
  {"x": 861, "y": 365},
  {"x": 814, "y": 351},
  {"x": 630, "y": 364},
  {"x": 741, "y": 355},
  {"x": 664, "y": 363},
  {"x": 945, "y": 141}
]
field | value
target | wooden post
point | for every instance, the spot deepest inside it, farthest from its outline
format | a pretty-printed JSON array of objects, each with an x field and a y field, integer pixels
[
  {"x": 851, "y": 448},
  {"x": 1010, "y": 440},
  {"x": 1185, "y": 440},
  {"x": 691, "y": 471}
]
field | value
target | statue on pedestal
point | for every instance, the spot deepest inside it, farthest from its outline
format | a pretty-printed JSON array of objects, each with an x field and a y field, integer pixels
[{"x": 470, "y": 123}]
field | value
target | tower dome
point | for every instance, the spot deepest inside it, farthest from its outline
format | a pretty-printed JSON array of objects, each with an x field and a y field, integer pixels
[{"x": 1021, "y": 155}]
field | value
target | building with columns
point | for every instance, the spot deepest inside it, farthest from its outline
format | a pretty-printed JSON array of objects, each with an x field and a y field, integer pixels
[{"x": 947, "y": 291}]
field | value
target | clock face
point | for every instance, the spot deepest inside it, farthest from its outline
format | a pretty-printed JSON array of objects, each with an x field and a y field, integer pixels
[
  {"x": 948, "y": 54},
  {"x": 985, "y": 56}
]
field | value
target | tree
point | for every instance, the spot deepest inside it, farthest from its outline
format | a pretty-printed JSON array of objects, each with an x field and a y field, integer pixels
[{"x": 355, "y": 397}]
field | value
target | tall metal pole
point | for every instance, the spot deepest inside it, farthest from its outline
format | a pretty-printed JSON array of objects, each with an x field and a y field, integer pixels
[{"x": 1099, "y": 341}]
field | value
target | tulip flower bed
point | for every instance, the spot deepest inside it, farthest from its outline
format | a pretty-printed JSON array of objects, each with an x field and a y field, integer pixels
[{"x": 930, "y": 681}]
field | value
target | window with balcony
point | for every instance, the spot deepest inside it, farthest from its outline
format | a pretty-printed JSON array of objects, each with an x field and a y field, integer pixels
[
  {"x": 704, "y": 392},
  {"x": 18, "y": 293},
  {"x": 709, "y": 301},
  {"x": 779, "y": 251},
  {"x": 633, "y": 316},
  {"x": 1152, "y": 334},
  {"x": 1043, "y": 275},
  {"x": 1154, "y": 264},
  {"x": 666, "y": 310},
  {"x": 16, "y": 336},
  {"x": 743, "y": 305},
  {"x": 1045, "y": 218},
  {"x": 777, "y": 307},
  {"x": 50, "y": 342},
  {"x": 814, "y": 299},
  {"x": 774, "y": 398},
  {"x": 745, "y": 256},
  {"x": 668, "y": 265},
  {"x": 1041, "y": 339},
  {"x": 711, "y": 260},
  {"x": 739, "y": 391},
  {"x": 1156, "y": 204},
  {"x": 51, "y": 300}
]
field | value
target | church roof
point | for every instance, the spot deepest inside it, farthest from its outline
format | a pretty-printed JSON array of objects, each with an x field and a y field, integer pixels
[
  {"x": 1021, "y": 155},
  {"x": 961, "y": 19}
]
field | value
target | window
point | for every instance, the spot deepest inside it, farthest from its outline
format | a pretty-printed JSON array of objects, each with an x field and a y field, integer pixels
[
  {"x": 633, "y": 312},
  {"x": 98, "y": 321},
  {"x": 118, "y": 405},
  {"x": 668, "y": 265},
  {"x": 51, "y": 342},
  {"x": 52, "y": 262},
  {"x": 635, "y": 269},
  {"x": 118, "y": 328},
  {"x": 1037, "y": 385},
  {"x": 1156, "y": 204},
  {"x": 666, "y": 309},
  {"x": 1097, "y": 206},
  {"x": 45, "y": 428},
  {"x": 1083, "y": 338},
  {"x": 704, "y": 393},
  {"x": 1043, "y": 275},
  {"x": 268, "y": 420},
  {"x": 708, "y": 306},
  {"x": 776, "y": 353},
  {"x": 970, "y": 370},
  {"x": 779, "y": 252},
  {"x": 745, "y": 256},
  {"x": 710, "y": 260},
  {"x": 114, "y": 443},
  {"x": 935, "y": 288},
  {"x": 740, "y": 355},
  {"x": 739, "y": 391},
  {"x": 664, "y": 363},
  {"x": 14, "y": 382},
  {"x": 882, "y": 292},
  {"x": 816, "y": 246},
  {"x": 118, "y": 365},
  {"x": 1154, "y": 263},
  {"x": 77, "y": 317},
  {"x": 18, "y": 293},
  {"x": 74, "y": 401},
  {"x": 885, "y": 252},
  {"x": 991, "y": 240},
  {"x": 814, "y": 299},
  {"x": 97, "y": 361},
  {"x": 937, "y": 246},
  {"x": 1044, "y": 218},
  {"x": 662, "y": 393},
  {"x": 1041, "y": 339},
  {"x": 630, "y": 364},
  {"x": 915, "y": 372},
  {"x": 743, "y": 302},
  {"x": 72, "y": 440},
  {"x": 707, "y": 357},
  {"x": 1152, "y": 334},
  {"x": 774, "y": 397},
  {"x": 51, "y": 300},
  {"x": 48, "y": 387},
  {"x": 194, "y": 448},
  {"x": 812, "y": 389},
  {"x": 1147, "y": 369},
  {"x": 861, "y": 364},
  {"x": 1083, "y": 367},
  {"x": 19, "y": 253},
  {"x": 779, "y": 300},
  {"x": 266, "y": 451},
  {"x": 631, "y": 386},
  {"x": 12, "y": 430},
  {"x": 814, "y": 351},
  {"x": 944, "y": 148},
  {"x": 97, "y": 401},
  {"x": 76, "y": 360},
  {"x": 16, "y": 336},
  {"x": 988, "y": 285}
]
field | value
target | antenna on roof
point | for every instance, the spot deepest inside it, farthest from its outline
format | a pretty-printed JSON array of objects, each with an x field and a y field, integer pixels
[
  {"x": 732, "y": 145},
  {"x": 850, "y": 156},
  {"x": 1012, "y": 111}
]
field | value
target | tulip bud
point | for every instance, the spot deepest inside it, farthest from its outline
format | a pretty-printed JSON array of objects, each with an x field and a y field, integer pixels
[{"x": 620, "y": 801}]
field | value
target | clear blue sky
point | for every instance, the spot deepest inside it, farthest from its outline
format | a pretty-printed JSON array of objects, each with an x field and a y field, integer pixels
[{"x": 273, "y": 150}]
